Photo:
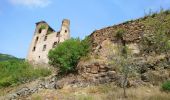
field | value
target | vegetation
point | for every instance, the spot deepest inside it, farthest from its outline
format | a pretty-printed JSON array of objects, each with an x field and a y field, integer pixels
[
  {"x": 102, "y": 92},
  {"x": 43, "y": 27},
  {"x": 166, "y": 86},
  {"x": 67, "y": 54},
  {"x": 123, "y": 58},
  {"x": 14, "y": 72},
  {"x": 5, "y": 57},
  {"x": 156, "y": 40}
]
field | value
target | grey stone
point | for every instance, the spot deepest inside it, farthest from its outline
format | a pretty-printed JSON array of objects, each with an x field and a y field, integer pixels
[{"x": 145, "y": 77}]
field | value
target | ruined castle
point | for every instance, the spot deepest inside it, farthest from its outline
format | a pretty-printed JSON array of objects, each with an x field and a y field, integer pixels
[{"x": 45, "y": 38}]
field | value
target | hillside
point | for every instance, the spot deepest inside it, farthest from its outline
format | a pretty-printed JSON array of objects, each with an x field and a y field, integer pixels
[
  {"x": 134, "y": 55},
  {"x": 5, "y": 57},
  {"x": 147, "y": 40},
  {"x": 101, "y": 72}
]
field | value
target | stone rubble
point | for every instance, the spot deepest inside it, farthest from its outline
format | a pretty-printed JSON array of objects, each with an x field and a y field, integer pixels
[{"x": 26, "y": 91}]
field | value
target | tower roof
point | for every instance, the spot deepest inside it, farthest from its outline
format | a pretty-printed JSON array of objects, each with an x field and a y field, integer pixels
[{"x": 41, "y": 22}]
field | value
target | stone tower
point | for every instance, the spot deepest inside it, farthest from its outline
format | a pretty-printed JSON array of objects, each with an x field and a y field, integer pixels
[{"x": 45, "y": 38}]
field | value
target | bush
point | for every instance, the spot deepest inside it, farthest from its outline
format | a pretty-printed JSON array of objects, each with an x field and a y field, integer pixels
[
  {"x": 15, "y": 72},
  {"x": 67, "y": 54},
  {"x": 156, "y": 39},
  {"x": 166, "y": 86}
]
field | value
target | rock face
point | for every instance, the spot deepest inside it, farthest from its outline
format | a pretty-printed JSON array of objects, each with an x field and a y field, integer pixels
[
  {"x": 105, "y": 45},
  {"x": 134, "y": 31},
  {"x": 96, "y": 71}
]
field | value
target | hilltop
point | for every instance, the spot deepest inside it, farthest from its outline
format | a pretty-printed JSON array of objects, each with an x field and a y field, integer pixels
[{"x": 6, "y": 57}]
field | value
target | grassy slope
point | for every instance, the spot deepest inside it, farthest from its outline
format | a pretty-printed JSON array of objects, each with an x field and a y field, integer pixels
[
  {"x": 5, "y": 57},
  {"x": 101, "y": 92},
  {"x": 14, "y": 71}
]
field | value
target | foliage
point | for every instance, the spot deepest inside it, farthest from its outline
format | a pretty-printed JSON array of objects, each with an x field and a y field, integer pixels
[
  {"x": 86, "y": 43},
  {"x": 14, "y": 72},
  {"x": 120, "y": 33},
  {"x": 123, "y": 59},
  {"x": 43, "y": 27},
  {"x": 156, "y": 39},
  {"x": 67, "y": 54},
  {"x": 49, "y": 31},
  {"x": 166, "y": 86}
]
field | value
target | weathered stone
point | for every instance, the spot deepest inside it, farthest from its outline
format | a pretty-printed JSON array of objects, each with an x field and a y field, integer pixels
[
  {"x": 28, "y": 90},
  {"x": 88, "y": 70},
  {"x": 102, "y": 66},
  {"x": 59, "y": 85},
  {"x": 111, "y": 74},
  {"x": 12, "y": 96},
  {"x": 157, "y": 77},
  {"x": 103, "y": 70},
  {"x": 94, "y": 69},
  {"x": 39, "y": 49},
  {"x": 144, "y": 77}
]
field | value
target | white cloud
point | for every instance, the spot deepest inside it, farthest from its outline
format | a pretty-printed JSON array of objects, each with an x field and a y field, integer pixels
[{"x": 31, "y": 3}]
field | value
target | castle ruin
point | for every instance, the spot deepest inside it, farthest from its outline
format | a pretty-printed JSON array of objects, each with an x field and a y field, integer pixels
[{"x": 45, "y": 38}]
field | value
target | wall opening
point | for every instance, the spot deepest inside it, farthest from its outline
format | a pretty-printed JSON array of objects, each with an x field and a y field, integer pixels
[
  {"x": 58, "y": 34},
  {"x": 54, "y": 44},
  {"x": 45, "y": 38},
  {"x": 36, "y": 40},
  {"x": 34, "y": 48},
  {"x": 44, "y": 47},
  {"x": 65, "y": 31},
  {"x": 40, "y": 30}
]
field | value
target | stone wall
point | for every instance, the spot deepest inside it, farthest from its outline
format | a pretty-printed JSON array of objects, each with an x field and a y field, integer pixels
[
  {"x": 133, "y": 29},
  {"x": 46, "y": 39}
]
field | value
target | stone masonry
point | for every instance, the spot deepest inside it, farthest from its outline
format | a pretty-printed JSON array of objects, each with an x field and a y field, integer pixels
[{"x": 45, "y": 38}]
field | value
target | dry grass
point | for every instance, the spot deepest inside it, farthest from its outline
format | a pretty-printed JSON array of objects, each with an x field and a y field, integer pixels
[{"x": 102, "y": 92}]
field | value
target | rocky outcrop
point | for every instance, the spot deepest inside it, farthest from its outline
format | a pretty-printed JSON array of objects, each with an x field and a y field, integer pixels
[
  {"x": 134, "y": 30},
  {"x": 105, "y": 45}
]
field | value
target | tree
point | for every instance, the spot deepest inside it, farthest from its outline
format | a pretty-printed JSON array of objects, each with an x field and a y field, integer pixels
[
  {"x": 67, "y": 54},
  {"x": 123, "y": 59}
]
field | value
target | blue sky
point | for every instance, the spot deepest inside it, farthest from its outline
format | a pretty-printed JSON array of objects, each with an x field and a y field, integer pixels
[{"x": 18, "y": 18}]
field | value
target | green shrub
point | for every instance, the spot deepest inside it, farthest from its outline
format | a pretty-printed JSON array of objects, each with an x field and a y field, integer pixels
[
  {"x": 166, "y": 86},
  {"x": 120, "y": 33},
  {"x": 43, "y": 27},
  {"x": 15, "y": 72},
  {"x": 67, "y": 54}
]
